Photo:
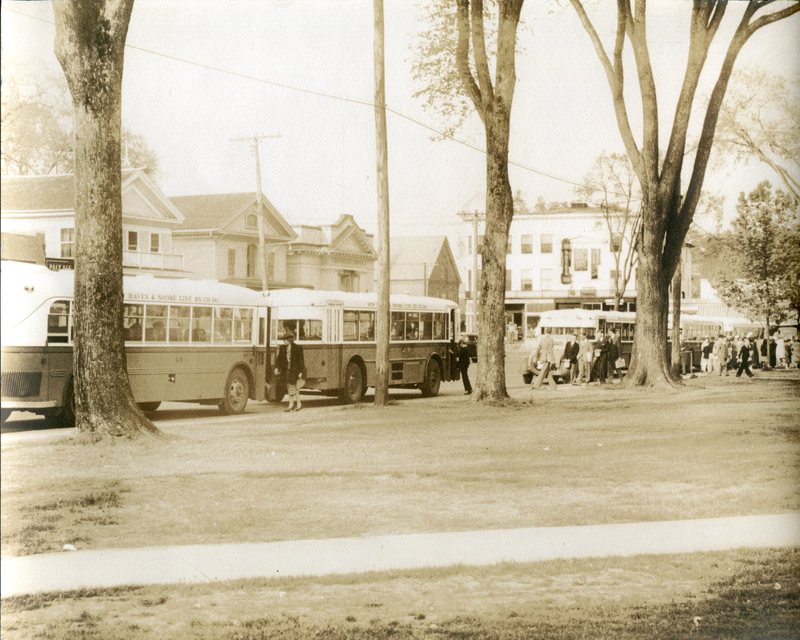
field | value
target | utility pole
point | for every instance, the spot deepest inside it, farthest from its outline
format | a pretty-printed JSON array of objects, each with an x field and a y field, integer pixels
[{"x": 262, "y": 244}]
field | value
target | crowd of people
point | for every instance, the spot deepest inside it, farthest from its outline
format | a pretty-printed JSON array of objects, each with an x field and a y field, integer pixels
[
  {"x": 724, "y": 354},
  {"x": 581, "y": 357}
]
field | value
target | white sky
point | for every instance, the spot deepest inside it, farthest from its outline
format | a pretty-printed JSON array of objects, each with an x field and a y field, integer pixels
[{"x": 324, "y": 162}]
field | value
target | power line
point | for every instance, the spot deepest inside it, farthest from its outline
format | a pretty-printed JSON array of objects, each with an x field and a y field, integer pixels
[{"x": 331, "y": 96}]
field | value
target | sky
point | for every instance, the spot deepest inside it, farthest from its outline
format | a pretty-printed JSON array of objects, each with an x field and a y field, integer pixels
[{"x": 290, "y": 63}]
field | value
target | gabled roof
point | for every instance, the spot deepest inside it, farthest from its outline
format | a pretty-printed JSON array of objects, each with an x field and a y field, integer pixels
[
  {"x": 414, "y": 257},
  {"x": 218, "y": 210},
  {"x": 32, "y": 194},
  {"x": 335, "y": 237}
]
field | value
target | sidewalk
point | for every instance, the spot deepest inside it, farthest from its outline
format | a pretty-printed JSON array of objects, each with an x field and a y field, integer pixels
[{"x": 208, "y": 563}]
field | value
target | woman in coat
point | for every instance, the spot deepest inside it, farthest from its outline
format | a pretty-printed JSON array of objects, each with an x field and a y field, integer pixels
[{"x": 290, "y": 369}]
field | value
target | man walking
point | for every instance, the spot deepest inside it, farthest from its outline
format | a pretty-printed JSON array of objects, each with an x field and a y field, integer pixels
[
  {"x": 744, "y": 360},
  {"x": 546, "y": 348},
  {"x": 290, "y": 368},
  {"x": 463, "y": 365},
  {"x": 601, "y": 348},
  {"x": 571, "y": 350}
]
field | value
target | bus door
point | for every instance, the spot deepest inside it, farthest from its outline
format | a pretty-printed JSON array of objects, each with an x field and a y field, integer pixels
[
  {"x": 332, "y": 332},
  {"x": 263, "y": 360}
]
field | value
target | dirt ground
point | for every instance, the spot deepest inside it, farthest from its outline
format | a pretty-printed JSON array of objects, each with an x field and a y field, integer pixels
[{"x": 574, "y": 456}]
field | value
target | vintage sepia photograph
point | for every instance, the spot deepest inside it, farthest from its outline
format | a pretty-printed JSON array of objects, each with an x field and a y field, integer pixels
[{"x": 400, "y": 319}]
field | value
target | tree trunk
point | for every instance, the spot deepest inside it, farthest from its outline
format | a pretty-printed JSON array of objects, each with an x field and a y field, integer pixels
[
  {"x": 491, "y": 380},
  {"x": 675, "y": 359},
  {"x": 648, "y": 366},
  {"x": 382, "y": 317},
  {"x": 90, "y": 39}
]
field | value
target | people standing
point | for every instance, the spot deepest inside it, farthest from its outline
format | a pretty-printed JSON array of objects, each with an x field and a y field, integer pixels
[
  {"x": 533, "y": 360},
  {"x": 601, "y": 347},
  {"x": 585, "y": 357},
  {"x": 463, "y": 365},
  {"x": 780, "y": 352},
  {"x": 571, "y": 350},
  {"x": 719, "y": 352},
  {"x": 744, "y": 360},
  {"x": 705, "y": 355},
  {"x": 613, "y": 354},
  {"x": 290, "y": 368},
  {"x": 547, "y": 355}
]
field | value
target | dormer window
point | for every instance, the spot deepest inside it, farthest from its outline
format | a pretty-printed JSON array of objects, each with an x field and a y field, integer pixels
[{"x": 251, "y": 221}]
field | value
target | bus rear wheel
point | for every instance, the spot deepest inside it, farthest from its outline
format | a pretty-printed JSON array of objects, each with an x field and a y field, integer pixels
[
  {"x": 353, "y": 389},
  {"x": 237, "y": 391},
  {"x": 433, "y": 379},
  {"x": 149, "y": 407}
]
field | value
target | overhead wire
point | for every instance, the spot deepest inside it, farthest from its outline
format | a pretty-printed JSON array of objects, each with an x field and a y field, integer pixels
[{"x": 341, "y": 98}]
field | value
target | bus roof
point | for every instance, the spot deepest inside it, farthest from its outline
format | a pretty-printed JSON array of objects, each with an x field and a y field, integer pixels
[
  {"x": 25, "y": 287},
  {"x": 581, "y": 317},
  {"x": 318, "y": 297}
]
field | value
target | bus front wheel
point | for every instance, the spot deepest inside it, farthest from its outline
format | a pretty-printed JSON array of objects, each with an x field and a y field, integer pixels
[
  {"x": 353, "y": 389},
  {"x": 149, "y": 407},
  {"x": 237, "y": 391},
  {"x": 433, "y": 379}
]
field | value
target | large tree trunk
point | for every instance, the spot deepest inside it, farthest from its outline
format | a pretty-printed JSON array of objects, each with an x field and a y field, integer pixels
[
  {"x": 90, "y": 39},
  {"x": 649, "y": 364},
  {"x": 491, "y": 381}
]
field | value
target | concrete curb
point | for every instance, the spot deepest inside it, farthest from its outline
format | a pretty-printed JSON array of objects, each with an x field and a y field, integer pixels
[{"x": 209, "y": 563}]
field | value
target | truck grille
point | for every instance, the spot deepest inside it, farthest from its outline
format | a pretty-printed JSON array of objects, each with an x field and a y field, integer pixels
[{"x": 21, "y": 384}]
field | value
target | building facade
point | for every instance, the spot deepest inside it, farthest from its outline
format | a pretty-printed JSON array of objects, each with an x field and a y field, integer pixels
[
  {"x": 219, "y": 239},
  {"x": 45, "y": 205},
  {"x": 424, "y": 266},
  {"x": 565, "y": 258},
  {"x": 338, "y": 256}
]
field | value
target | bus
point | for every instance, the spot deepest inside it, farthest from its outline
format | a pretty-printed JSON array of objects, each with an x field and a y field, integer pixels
[
  {"x": 186, "y": 340},
  {"x": 337, "y": 332},
  {"x": 568, "y": 324}
]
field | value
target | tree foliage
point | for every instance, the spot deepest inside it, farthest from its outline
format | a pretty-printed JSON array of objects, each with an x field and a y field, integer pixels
[
  {"x": 38, "y": 131},
  {"x": 759, "y": 253},
  {"x": 760, "y": 120}
]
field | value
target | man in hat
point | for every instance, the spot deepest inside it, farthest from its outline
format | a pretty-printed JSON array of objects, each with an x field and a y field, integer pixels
[{"x": 290, "y": 369}]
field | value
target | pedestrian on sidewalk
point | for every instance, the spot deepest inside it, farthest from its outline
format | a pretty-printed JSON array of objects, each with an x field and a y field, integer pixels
[
  {"x": 463, "y": 364},
  {"x": 601, "y": 348},
  {"x": 290, "y": 369},
  {"x": 571, "y": 350}
]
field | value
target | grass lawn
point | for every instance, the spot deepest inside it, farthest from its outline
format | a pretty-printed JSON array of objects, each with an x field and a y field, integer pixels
[{"x": 718, "y": 447}]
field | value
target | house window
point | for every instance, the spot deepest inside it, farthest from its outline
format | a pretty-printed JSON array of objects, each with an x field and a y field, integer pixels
[
  {"x": 251, "y": 260},
  {"x": 480, "y": 245},
  {"x": 68, "y": 243},
  {"x": 547, "y": 279},
  {"x": 527, "y": 244},
  {"x": 547, "y": 243},
  {"x": 231, "y": 262},
  {"x": 508, "y": 280},
  {"x": 251, "y": 221},
  {"x": 595, "y": 263},
  {"x": 616, "y": 242},
  {"x": 348, "y": 281},
  {"x": 527, "y": 280},
  {"x": 155, "y": 242},
  {"x": 580, "y": 259},
  {"x": 133, "y": 240}
]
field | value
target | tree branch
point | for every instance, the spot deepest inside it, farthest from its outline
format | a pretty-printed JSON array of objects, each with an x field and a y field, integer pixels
[
  {"x": 479, "y": 51},
  {"x": 462, "y": 58},
  {"x": 614, "y": 76}
]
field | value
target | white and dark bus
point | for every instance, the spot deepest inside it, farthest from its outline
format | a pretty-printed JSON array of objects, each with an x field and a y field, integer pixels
[
  {"x": 186, "y": 340},
  {"x": 337, "y": 332}
]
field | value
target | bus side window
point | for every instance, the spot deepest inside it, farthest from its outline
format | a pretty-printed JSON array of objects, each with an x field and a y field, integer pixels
[
  {"x": 201, "y": 324},
  {"x": 426, "y": 326},
  {"x": 133, "y": 322},
  {"x": 223, "y": 324},
  {"x": 179, "y": 323},
  {"x": 350, "y": 326},
  {"x": 366, "y": 325},
  {"x": 243, "y": 324},
  {"x": 398, "y": 325},
  {"x": 439, "y": 326},
  {"x": 155, "y": 323},
  {"x": 412, "y": 326},
  {"x": 58, "y": 322}
]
